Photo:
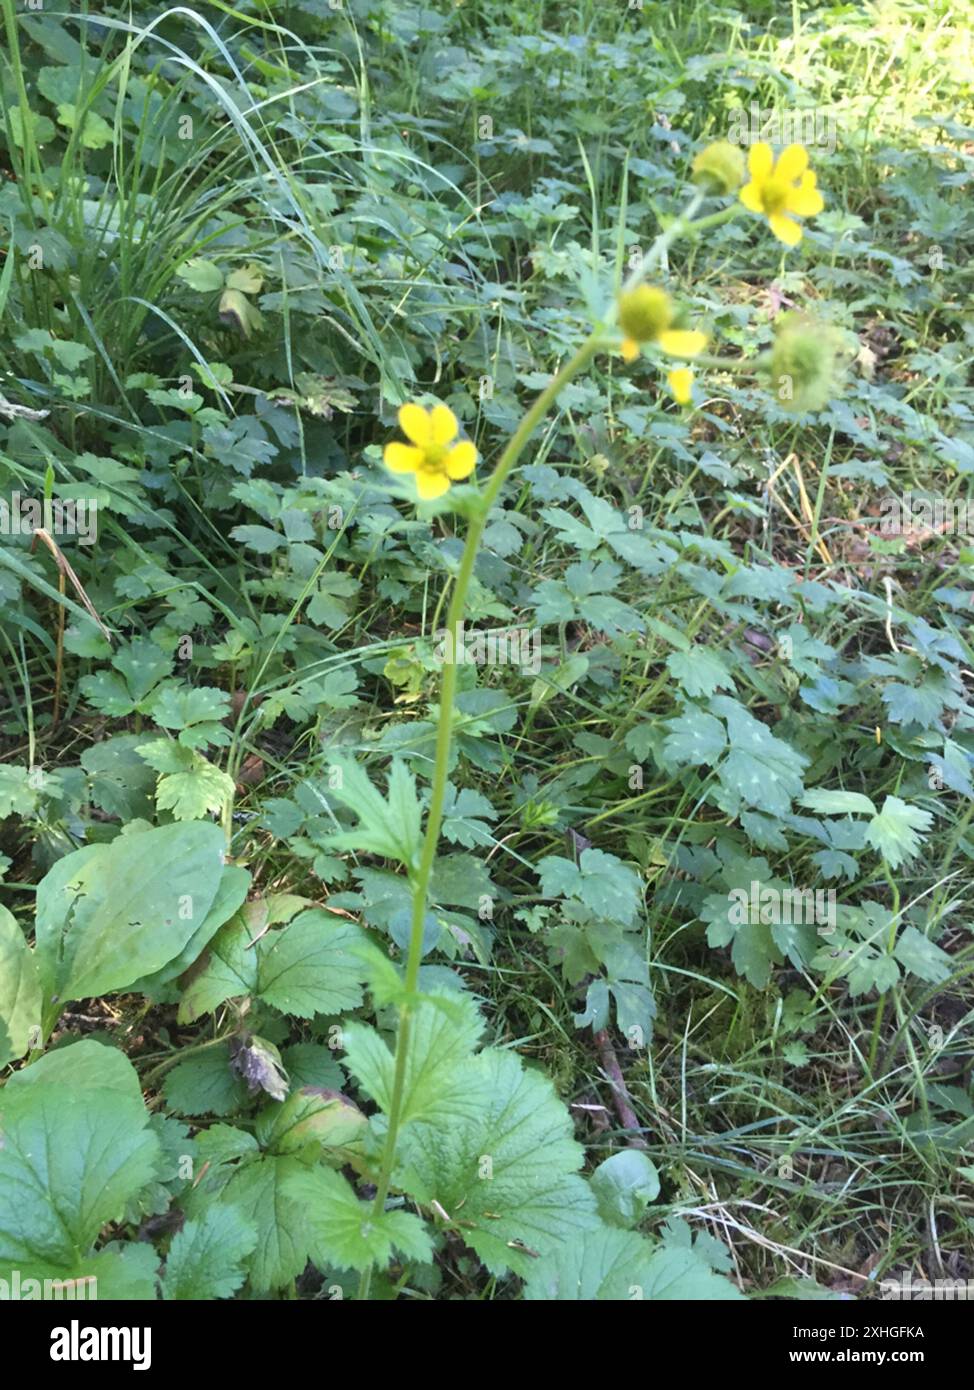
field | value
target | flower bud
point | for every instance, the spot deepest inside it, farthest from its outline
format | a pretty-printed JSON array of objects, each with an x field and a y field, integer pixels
[{"x": 719, "y": 168}]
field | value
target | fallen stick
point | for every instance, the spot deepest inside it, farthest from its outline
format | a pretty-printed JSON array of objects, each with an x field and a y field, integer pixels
[{"x": 620, "y": 1093}]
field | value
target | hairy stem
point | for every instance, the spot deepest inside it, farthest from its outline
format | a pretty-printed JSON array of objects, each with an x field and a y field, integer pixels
[{"x": 448, "y": 685}]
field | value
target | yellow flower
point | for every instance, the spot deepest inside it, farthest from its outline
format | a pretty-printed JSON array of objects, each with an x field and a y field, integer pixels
[
  {"x": 681, "y": 384},
  {"x": 431, "y": 455},
  {"x": 776, "y": 189},
  {"x": 645, "y": 316}
]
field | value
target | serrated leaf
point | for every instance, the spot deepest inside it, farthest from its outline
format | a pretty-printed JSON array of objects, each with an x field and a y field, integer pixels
[
  {"x": 753, "y": 948},
  {"x": 123, "y": 1270},
  {"x": 18, "y": 796},
  {"x": 600, "y": 880},
  {"x": 75, "y": 1150},
  {"x": 465, "y": 816},
  {"x": 503, "y": 1161},
  {"x": 261, "y": 1191},
  {"x": 606, "y": 1265},
  {"x": 760, "y": 770},
  {"x": 835, "y": 864},
  {"x": 343, "y": 1232},
  {"x": 259, "y": 538},
  {"x": 191, "y": 795},
  {"x": 896, "y": 832},
  {"x": 142, "y": 665},
  {"x": 229, "y": 972},
  {"x": 699, "y": 671},
  {"x": 204, "y": 1085},
  {"x": 922, "y": 957},
  {"x": 181, "y": 707},
  {"x": 206, "y": 1257},
  {"x": 445, "y": 1029},
  {"x": 311, "y": 965},
  {"x": 913, "y": 704},
  {"x": 121, "y": 783},
  {"x": 694, "y": 739},
  {"x": 107, "y": 692},
  {"x": 313, "y": 1064},
  {"x": 389, "y": 827}
]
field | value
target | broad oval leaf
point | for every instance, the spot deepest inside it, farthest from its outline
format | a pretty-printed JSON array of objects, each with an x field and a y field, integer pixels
[
  {"x": 109, "y": 914},
  {"x": 76, "y": 1149},
  {"x": 20, "y": 991}
]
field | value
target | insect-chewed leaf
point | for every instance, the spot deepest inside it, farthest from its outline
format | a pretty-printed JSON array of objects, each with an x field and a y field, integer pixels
[{"x": 110, "y": 914}]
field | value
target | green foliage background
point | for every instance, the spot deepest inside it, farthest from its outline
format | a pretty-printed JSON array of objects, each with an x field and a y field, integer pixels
[{"x": 235, "y": 238}]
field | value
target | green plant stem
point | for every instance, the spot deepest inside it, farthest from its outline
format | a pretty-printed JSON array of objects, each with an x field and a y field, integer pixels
[
  {"x": 422, "y": 873},
  {"x": 881, "y": 1001},
  {"x": 716, "y": 219},
  {"x": 444, "y": 739},
  {"x": 663, "y": 241}
]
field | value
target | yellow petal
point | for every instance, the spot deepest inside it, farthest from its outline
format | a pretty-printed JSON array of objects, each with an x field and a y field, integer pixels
[
  {"x": 462, "y": 459},
  {"x": 784, "y": 229},
  {"x": 443, "y": 424},
  {"x": 681, "y": 384},
  {"x": 805, "y": 201},
  {"x": 760, "y": 159},
  {"x": 750, "y": 196},
  {"x": 629, "y": 349},
  {"x": 792, "y": 163},
  {"x": 414, "y": 422},
  {"x": 431, "y": 484},
  {"x": 402, "y": 458},
  {"x": 682, "y": 342}
]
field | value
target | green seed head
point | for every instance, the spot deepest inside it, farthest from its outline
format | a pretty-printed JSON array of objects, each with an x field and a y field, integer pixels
[
  {"x": 804, "y": 363},
  {"x": 645, "y": 313}
]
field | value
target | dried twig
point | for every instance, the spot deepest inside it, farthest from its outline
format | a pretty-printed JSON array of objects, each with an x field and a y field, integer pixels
[
  {"x": 64, "y": 569},
  {"x": 620, "y": 1093}
]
